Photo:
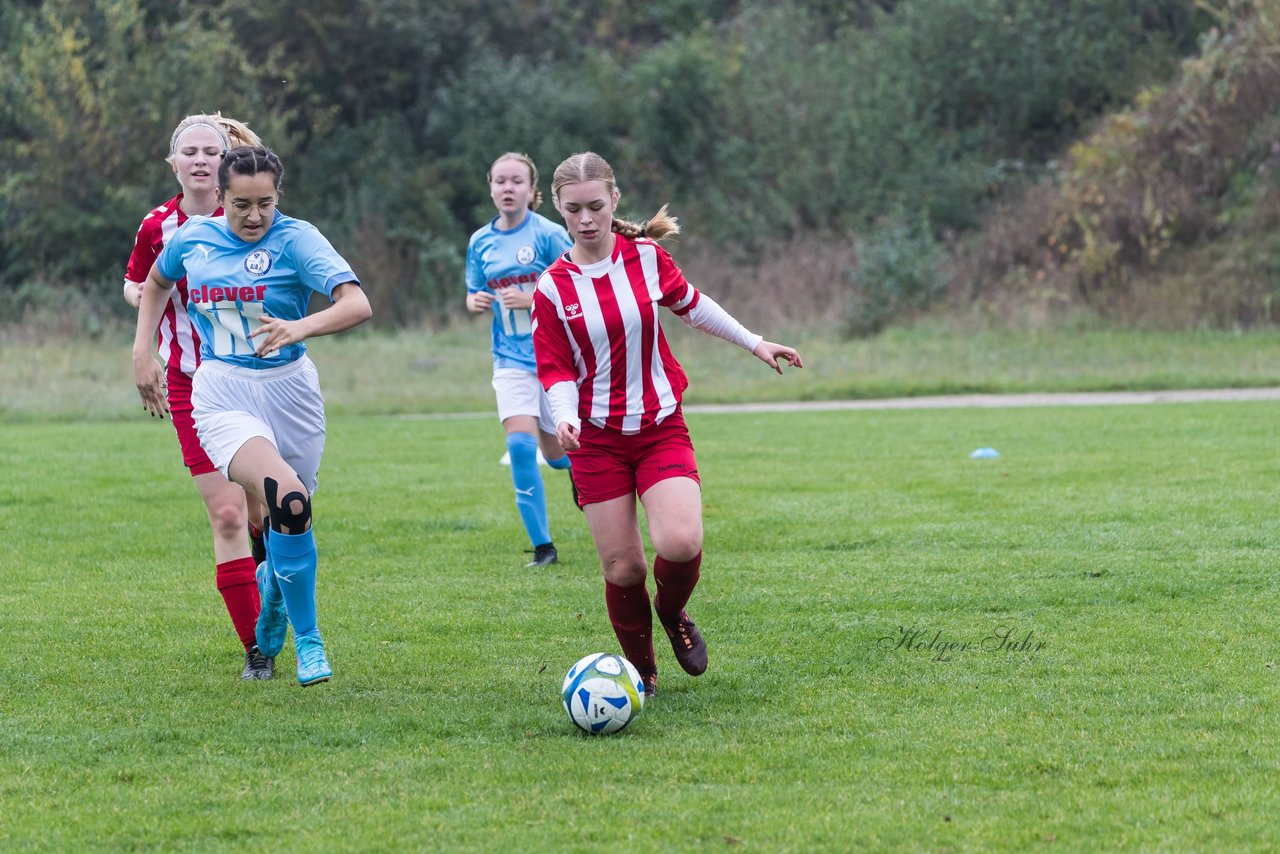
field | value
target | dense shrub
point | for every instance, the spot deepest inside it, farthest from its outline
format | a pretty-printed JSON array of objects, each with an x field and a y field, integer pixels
[
  {"x": 899, "y": 272},
  {"x": 761, "y": 122},
  {"x": 1188, "y": 164}
]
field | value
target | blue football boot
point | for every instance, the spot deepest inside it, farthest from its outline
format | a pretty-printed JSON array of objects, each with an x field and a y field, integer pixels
[
  {"x": 313, "y": 666},
  {"x": 273, "y": 622}
]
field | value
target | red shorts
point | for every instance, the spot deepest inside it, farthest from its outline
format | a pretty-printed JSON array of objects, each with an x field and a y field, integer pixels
[
  {"x": 193, "y": 456},
  {"x": 610, "y": 464}
]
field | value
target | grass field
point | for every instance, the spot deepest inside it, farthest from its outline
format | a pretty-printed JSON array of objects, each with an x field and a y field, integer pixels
[
  {"x": 1111, "y": 573},
  {"x": 63, "y": 378}
]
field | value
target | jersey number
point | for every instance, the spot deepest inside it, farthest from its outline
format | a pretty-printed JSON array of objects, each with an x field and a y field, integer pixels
[
  {"x": 516, "y": 321},
  {"x": 233, "y": 323}
]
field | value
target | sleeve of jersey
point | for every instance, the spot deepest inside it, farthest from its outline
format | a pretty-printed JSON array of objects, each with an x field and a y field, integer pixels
[
  {"x": 697, "y": 309},
  {"x": 552, "y": 350},
  {"x": 321, "y": 267},
  {"x": 677, "y": 294},
  {"x": 170, "y": 263},
  {"x": 475, "y": 275},
  {"x": 143, "y": 255},
  {"x": 557, "y": 243},
  {"x": 563, "y": 398},
  {"x": 708, "y": 316}
]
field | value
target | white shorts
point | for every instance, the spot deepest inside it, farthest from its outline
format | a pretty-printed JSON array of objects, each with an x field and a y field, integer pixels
[
  {"x": 520, "y": 393},
  {"x": 282, "y": 405}
]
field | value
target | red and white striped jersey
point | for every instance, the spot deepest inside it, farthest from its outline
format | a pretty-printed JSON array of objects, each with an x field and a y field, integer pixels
[
  {"x": 597, "y": 326},
  {"x": 179, "y": 344}
]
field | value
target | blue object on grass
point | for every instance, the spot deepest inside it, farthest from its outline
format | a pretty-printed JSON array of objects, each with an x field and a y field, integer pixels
[{"x": 985, "y": 454}]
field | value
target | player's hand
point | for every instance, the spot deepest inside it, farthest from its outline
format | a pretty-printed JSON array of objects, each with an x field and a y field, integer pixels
[
  {"x": 568, "y": 436},
  {"x": 770, "y": 353},
  {"x": 149, "y": 379},
  {"x": 514, "y": 298},
  {"x": 276, "y": 333},
  {"x": 480, "y": 301}
]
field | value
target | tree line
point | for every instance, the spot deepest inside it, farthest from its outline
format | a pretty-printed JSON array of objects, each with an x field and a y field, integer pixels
[{"x": 756, "y": 120}]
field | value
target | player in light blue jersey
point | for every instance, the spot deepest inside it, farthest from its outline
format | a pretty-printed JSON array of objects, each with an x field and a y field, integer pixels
[
  {"x": 255, "y": 396},
  {"x": 195, "y": 149},
  {"x": 504, "y": 260}
]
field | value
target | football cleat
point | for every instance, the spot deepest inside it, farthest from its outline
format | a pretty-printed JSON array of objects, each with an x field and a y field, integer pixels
[
  {"x": 650, "y": 683},
  {"x": 313, "y": 665},
  {"x": 687, "y": 644},
  {"x": 257, "y": 665},
  {"x": 273, "y": 621},
  {"x": 544, "y": 555}
]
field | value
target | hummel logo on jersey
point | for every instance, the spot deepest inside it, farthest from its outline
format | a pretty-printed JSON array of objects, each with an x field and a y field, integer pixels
[{"x": 572, "y": 310}]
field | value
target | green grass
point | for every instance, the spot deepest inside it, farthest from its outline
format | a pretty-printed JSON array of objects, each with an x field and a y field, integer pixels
[
  {"x": 1137, "y": 544},
  {"x": 364, "y": 372}
]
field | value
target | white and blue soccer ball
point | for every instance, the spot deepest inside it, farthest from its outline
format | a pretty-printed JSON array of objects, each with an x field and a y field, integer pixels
[{"x": 602, "y": 693}]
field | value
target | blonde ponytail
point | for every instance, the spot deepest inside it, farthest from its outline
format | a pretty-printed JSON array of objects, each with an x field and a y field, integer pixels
[{"x": 660, "y": 225}]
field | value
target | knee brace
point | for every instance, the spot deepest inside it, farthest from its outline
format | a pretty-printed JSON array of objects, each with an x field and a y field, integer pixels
[{"x": 283, "y": 515}]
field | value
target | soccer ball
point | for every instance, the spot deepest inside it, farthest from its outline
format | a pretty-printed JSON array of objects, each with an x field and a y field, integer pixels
[{"x": 602, "y": 693}]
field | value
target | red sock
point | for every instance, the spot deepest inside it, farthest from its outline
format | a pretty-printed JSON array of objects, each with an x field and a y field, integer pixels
[
  {"x": 675, "y": 583},
  {"x": 632, "y": 623},
  {"x": 239, "y": 589}
]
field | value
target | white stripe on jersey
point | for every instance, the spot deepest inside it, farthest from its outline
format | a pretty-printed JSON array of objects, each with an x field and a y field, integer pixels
[
  {"x": 590, "y": 305},
  {"x": 661, "y": 385},
  {"x": 630, "y": 311},
  {"x": 188, "y": 344}
]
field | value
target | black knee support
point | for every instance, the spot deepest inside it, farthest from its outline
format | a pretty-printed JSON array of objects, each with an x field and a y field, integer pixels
[{"x": 284, "y": 518}]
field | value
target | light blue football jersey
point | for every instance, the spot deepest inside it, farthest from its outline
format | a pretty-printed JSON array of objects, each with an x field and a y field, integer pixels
[
  {"x": 231, "y": 283},
  {"x": 499, "y": 259}
]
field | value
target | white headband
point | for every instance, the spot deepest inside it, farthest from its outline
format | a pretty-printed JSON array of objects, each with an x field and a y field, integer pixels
[{"x": 173, "y": 143}]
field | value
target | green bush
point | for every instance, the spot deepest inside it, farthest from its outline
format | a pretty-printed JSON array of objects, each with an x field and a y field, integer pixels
[
  {"x": 899, "y": 272},
  {"x": 757, "y": 120}
]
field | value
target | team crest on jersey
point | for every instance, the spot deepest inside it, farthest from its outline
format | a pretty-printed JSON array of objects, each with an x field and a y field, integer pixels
[
  {"x": 257, "y": 263},
  {"x": 525, "y": 254}
]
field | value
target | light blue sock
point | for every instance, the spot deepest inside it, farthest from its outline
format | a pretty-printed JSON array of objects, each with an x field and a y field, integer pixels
[
  {"x": 562, "y": 463},
  {"x": 531, "y": 500},
  {"x": 293, "y": 559}
]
